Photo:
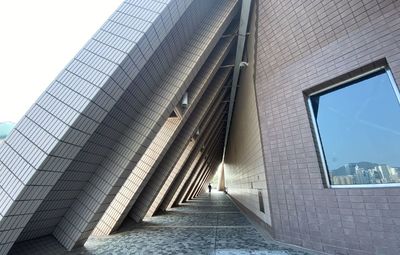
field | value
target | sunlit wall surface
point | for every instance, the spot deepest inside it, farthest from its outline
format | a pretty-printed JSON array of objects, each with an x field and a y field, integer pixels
[
  {"x": 70, "y": 155},
  {"x": 302, "y": 48},
  {"x": 244, "y": 165}
]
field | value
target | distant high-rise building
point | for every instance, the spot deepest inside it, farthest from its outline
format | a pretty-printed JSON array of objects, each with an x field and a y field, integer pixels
[{"x": 343, "y": 180}]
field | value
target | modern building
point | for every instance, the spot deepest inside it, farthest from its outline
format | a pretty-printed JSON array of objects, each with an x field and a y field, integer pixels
[
  {"x": 5, "y": 129},
  {"x": 289, "y": 96}
]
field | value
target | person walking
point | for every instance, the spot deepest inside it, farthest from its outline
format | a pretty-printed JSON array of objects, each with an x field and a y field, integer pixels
[{"x": 209, "y": 187}]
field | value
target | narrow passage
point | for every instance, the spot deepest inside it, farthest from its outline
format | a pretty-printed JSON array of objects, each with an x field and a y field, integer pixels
[{"x": 208, "y": 224}]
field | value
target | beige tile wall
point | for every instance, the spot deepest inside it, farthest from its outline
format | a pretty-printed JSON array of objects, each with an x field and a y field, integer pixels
[{"x": 244, "y": 164}]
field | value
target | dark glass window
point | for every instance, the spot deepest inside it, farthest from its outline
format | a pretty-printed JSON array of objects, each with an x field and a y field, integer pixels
[
  {"x": 261, "y": 201},
  {"x": 358, "y": 127}
]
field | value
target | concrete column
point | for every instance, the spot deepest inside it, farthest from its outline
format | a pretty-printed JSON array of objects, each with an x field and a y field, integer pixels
[
  {"x": 155, "y": 184},
  {"x": 143, "y": 171},
  {"x": 189, "y": 166}
]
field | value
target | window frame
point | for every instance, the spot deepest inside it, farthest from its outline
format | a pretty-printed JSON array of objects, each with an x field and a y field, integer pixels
[{"x": 316, "y": 132}]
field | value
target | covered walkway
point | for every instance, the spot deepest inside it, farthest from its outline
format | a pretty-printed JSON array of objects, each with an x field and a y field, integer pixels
[
  {"x": 115, "y": 155},
  {"x": 208, "y": 224}
]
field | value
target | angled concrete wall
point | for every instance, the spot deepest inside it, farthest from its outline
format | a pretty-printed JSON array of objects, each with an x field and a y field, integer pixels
[
  {"x": 47, "y": 141},
  {"x": 70, "y": 155},
  {"x": 214, "y": 159},
  {"x": 137, "y": 127},
  {"x": 141, "y": 174},
  {"x": 151, "y": 192},
  {"x": 206, "y": 130},
  {"x": 176, "y": 167},
  {"x": 101, "y": 142},
  {"x": 199, "y": 165}
]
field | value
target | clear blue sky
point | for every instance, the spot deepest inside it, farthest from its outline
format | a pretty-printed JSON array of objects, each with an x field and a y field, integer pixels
[{"x": 361, "y": 123}]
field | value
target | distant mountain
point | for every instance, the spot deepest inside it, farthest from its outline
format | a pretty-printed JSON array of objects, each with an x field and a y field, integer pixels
[
  {"x": 5, "y": 129},
  {"x": 349, "y": 169},
  {"x": 368, "y": 165}
]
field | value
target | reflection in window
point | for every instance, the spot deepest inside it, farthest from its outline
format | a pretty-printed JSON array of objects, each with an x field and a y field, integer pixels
[{"x": 358, "y": 126}]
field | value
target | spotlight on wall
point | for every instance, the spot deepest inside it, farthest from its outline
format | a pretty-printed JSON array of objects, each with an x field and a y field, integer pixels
[{"x": 243, "y": 64}]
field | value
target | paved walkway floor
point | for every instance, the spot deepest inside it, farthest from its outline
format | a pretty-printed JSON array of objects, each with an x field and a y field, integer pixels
[{"x": 210, "y": 224}]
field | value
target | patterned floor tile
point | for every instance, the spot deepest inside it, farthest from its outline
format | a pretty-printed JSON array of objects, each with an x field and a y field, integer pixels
[{"x": 208, "y": 225}]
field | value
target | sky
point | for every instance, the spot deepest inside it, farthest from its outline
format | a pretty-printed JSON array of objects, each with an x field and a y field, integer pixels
[
  {"x": 38, "y": 39},
  {"x": 361, "y": 123}
]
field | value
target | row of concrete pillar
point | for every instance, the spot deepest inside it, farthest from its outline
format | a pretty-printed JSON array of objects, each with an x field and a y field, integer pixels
[{"x": 101, "y": 143}]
